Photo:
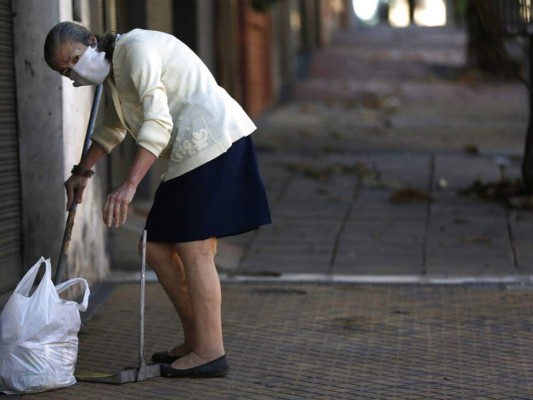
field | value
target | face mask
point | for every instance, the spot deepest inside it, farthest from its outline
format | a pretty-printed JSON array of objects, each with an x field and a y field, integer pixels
[{"x": 91, "y": 69}]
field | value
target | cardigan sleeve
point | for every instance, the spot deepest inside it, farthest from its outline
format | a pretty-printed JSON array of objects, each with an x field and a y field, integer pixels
[
  {"x": 111, "y": 131},
  {"x": 145, "y": 73}
]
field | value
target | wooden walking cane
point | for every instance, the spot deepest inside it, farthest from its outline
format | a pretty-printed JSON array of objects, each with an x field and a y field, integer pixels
[{"x": 60, "y": 269}]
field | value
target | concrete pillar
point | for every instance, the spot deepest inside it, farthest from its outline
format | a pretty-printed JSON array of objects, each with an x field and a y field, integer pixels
[{"x": 39, "y": 102}]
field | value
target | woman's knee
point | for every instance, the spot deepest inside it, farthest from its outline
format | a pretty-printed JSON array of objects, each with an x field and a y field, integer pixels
[
  {"x": 158, "y": 253},
  {"x": 198, "y": 251}
]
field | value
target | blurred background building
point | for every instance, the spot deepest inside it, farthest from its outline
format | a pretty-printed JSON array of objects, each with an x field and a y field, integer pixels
[{"x": 255, "y": 48}]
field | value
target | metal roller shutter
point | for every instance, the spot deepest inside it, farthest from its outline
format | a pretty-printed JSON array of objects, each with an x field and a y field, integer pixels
[{"x": 10, "y": 211}]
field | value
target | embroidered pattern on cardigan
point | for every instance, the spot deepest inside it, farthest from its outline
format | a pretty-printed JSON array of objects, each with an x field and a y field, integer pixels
[{"x": 192, "y": 146}]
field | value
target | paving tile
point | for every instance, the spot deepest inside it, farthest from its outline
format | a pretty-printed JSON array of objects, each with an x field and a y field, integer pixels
[
  {"x": 290, "y": 230},
  {"x": 310, "y": 211},
  {"x": 449, "y": 264},
  {"x": 402, "y": 170},
  {"x": 383, "y": 232},
  {"x": 378, "y": 265},
  {"x": 384, "y": 211},
  {"x": 282, "y": 261},
  {"x": 461, "y": 171}
]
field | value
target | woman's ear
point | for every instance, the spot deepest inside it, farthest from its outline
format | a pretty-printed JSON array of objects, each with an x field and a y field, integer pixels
[{"x": 93, "y": 41}]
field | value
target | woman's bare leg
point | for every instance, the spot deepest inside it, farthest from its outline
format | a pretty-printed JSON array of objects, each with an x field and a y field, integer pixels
[
  {"x": 205, "y": 300},
  {"x": 170, "y": 272}
]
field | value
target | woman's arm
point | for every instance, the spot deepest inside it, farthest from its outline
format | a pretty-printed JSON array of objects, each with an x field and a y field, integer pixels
[
  {"x": 141, "y": 64},
  {"x": 95, "y": 152},
  {"x": 117, "y": 203},
  {"x": 76, "y": 184}
]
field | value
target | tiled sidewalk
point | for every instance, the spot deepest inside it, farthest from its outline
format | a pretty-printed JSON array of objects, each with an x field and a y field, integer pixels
[
  {"x": 328, "y": 342},
  {"x": 334, "y": 215}
]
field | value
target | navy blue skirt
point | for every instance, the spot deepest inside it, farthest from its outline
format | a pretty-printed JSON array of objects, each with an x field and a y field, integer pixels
[{"x": 223, "y": 197}]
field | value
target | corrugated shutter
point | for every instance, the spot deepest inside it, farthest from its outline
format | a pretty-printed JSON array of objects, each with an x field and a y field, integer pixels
[{"x": 10, "y": 212}]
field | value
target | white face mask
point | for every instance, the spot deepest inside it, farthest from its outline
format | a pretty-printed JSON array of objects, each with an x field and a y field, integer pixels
[{"x": 91, "y": 69}]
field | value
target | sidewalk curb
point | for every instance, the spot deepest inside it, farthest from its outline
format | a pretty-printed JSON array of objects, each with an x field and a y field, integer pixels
[{"x": 518, "y": 280}]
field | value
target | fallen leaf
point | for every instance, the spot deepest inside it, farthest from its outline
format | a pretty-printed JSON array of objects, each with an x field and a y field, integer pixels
[
  {"x": 472, "y": 149},
  {"x": 460, "y": 221},
  {"x": 510, "y": 192},
  {"x": 409, "y": 195},
  {"x": 477, "y": 239}
]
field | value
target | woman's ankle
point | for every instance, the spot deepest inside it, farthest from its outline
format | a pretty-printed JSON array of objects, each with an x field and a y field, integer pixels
[{"x": 180, "y": 350}]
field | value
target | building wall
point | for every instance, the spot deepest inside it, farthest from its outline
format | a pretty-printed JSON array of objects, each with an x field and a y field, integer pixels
[
  {"x": 228, "y": 47},
  {"x": 256, "y": 58},
  {"x": 253, "y": 57},
  {"x": 205, "y": 30},
  {"x": 52, "y": 119},
  {"x": 334, "y": 15},
  {"x": 159, "y": 15},
  {"x": 87, "y": 253}
]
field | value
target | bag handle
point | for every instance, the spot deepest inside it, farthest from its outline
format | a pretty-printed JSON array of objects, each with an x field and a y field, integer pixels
[
  {"x": 26, "y": 283},
  {"x": 71, "y": 282}
]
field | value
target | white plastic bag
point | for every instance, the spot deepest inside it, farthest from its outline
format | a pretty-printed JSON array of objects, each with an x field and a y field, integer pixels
[{"x": 39, "y": 334}]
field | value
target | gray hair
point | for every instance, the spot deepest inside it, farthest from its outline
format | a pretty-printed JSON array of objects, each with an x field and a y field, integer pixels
[
  {"x": 62, "y": 33},
  {"x": 71, "y": 31}
]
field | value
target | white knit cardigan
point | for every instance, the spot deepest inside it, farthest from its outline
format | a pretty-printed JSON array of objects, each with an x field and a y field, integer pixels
[{"x": 168, "y": 100}]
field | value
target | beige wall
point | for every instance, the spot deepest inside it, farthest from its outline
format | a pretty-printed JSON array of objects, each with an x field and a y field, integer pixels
[
  {"x": 159, "y": 15},
  {"x": 87, "y": 253}
]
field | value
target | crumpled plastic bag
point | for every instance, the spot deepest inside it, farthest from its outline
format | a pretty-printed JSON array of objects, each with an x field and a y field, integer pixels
[{"x": 39, "y": 334}]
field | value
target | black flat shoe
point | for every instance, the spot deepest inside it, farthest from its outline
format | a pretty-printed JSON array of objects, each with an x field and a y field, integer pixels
[
  {"x": 213, "y": 369},
  {"x": 164, "y": 357}
]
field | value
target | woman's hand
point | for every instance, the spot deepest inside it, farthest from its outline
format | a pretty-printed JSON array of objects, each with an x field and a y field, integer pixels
[
  {"x": 117, "y": 203},
  {"x": 75, "y": 185}
]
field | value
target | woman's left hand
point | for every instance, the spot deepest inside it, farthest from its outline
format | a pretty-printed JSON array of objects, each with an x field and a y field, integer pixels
[{"x": 117, "y": 204}]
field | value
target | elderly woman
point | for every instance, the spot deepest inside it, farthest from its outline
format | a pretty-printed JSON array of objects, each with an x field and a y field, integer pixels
[{"x": 160, "y": 92}]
